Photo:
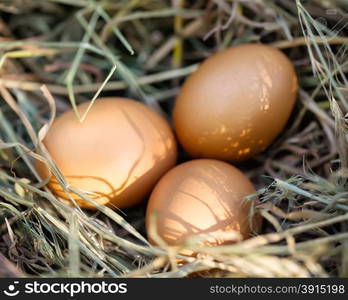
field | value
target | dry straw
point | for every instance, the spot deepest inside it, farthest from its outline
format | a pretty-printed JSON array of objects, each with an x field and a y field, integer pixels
[{"x": 76, "y": 50}]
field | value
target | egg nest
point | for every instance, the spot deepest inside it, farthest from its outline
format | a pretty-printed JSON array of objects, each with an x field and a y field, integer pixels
[{"x": 54, "y": 55}]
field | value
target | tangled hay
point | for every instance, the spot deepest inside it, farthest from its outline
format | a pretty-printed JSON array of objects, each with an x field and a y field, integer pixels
[{"x": 59, "y": 53}]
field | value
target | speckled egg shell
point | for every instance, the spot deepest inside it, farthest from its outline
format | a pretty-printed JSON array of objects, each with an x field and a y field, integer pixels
[{"x": 236, "y": 103}]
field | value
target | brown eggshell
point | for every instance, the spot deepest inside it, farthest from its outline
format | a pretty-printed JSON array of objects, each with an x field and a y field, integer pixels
[
  {"x": 236, "y": 103},
  {"x": 115, "y": 155},
  {"x": 202, "y": 196}
]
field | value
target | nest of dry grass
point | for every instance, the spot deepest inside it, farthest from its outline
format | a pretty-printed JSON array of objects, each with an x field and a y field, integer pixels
[{"x": 59, "y": 53}]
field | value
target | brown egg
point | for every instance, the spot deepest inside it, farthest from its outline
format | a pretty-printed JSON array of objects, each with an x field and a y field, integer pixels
[
  {"x": 115, "y": 155},
  {"x": 236, "y": 103},
  {"x": 202, "y": 196}
]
